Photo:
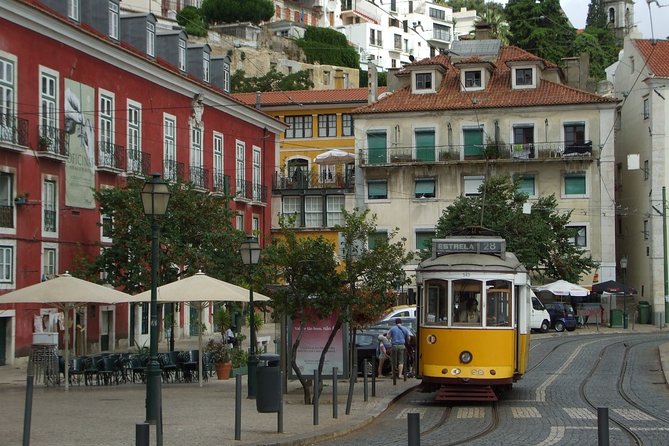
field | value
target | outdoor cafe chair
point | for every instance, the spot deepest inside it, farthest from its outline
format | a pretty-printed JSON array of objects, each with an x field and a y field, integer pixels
[
  {"x": 190, "y": 365},
  {"x": 91, "y": 371},
  {"x": 138, "y": 367},
  {"x": 167, "y": 367},
  {"x": 76, "y": 370}
]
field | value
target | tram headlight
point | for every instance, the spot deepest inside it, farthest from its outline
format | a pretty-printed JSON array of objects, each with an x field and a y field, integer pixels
[{"x": 466, "y": 357}]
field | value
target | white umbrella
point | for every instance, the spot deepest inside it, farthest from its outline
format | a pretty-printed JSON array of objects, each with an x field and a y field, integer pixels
[
  {"x": 199, "y": 290},
  {"x": 564, "y": 288},
  {"x": 334, "y": 156},
  {"x": 66, "y": 293}
]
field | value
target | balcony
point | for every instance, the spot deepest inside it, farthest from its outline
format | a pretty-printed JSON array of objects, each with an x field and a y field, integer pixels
[
  {"x": 13, "y": 132},
  {"x": 247, "y": 190},
  {"x": 497, "y": 152},
  {"x": 199, "y": 176},
  {"x": 173, "y": 170},
  {"x": 52, "y": 143},
  {"x": 311, "y": 179},
  {"x": 111, "y": 157},
  {"x": 49, "y": 220},
  {"x": 6, "y": 216},
  {"x": 139, "y": 163},
  {"x": 221, "y": 183}
]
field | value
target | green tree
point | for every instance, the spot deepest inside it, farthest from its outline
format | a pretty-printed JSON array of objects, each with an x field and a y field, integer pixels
[
  {"x": 328, "y": 47},
  {"x": 540, "y": 240},
  {"x": 363, "y": 78},
  {"x": 195, "y": 233},
  {"x": 598, "y": 40},
  {"x": 499, "y": 28},
  {"x": 272, "y": 81},
  {"x": 230, "y": 11},
  {"x": 192, "y": 20},
  {"x": 540, "y": 28}
]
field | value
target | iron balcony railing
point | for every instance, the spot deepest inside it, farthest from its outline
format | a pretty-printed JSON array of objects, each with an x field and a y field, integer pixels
[
  {"x": 221, "y": 183},
  {"x": 251, "y": 191},
  {"x": 492, "y": 151},
  {"x": 139, "y": 163},
  {"x": 173, "y": 170},
  {"x": 52, "y": 140},
  {"x": 111, "y": 155},
  {"x": 313, "y": 179},
  {"x": 13, "y": 130},
  {"x": 6, "y": 216},
  {"x": 49, "y": 220},
  {"x": 199, "y": 176}
]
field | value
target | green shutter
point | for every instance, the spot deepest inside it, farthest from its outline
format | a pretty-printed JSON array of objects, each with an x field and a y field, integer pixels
[
  {"x": 473, "y": 139},
  {"x": 425, "y": 188},
  {"x": 378, "y": 147},
  {"x": 526, "y": 185},
  {"x": 574, "y": 184},
  {"x": 377, "y": 190},
  {"x": 425, "y": 145}
]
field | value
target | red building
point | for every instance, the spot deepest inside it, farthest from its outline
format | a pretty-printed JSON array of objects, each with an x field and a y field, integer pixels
[{"x": 89, "y": 98}]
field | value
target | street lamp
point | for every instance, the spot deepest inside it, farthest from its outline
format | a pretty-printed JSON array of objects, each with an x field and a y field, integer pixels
[
  {"x": 155, "y": 197},
  {"x": 623, "y": 266},
  {"x": 250, "y": 251}
]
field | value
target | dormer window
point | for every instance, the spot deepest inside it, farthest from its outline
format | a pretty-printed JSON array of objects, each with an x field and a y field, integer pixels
[
  {"x": 73, "y": 9},
  {"x": 182, "y": 55},
  {"x": 423, "y": 82},
  {"x": 523, "y": 77},
  {"x": 113, "y": 20},
  {"x": 205, "y": 67},
  {"x": 150, "y": 39},
  {"x": 473, "y": 79}
]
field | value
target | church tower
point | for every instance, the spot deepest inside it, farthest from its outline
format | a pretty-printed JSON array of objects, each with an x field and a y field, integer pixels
[{"x": 620, "y": 16}]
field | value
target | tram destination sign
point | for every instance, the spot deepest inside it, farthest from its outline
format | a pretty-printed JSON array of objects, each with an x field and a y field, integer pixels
[{"x": 468, "y": 246}]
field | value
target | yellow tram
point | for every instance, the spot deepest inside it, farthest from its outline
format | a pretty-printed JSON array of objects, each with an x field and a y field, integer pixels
[{"x": 473, "y": 318}]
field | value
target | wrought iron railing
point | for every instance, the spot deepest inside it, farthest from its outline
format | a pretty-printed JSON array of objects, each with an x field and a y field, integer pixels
[
  {"x": 139, "y": 163},
  {"x": 111, "y": 155},
  {"x": 49, "y": 220},
  {"x": 313, "y": 179},
  {"x": 52, "y": 140},
  {"x": 173, "y": 170},
  {"x": 199, "y": 176},
  {"x": 221, "y": 183},
  {"x": 13, "y": 130},
  {"x": 6, "y": 216}
]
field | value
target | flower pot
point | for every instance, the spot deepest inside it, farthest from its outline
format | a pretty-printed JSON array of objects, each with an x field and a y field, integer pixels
[{"x": 223, "y": 369}]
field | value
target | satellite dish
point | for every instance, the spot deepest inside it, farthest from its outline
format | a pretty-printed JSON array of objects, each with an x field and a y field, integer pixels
[{"x": 411, "y": 58}]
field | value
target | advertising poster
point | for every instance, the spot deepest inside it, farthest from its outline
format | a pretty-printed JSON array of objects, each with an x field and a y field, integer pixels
[
  {"x": 79, "y": 108},
  {"x": 313, "y": 341}
]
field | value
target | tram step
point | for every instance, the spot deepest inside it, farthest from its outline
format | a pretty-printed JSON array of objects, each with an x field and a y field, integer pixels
[{"x": 466, "y": 393}]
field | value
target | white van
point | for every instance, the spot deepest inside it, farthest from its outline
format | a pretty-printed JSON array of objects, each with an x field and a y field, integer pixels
[
  {"x": 540, "y": 320},
  {"x": 401, "y": 311}
]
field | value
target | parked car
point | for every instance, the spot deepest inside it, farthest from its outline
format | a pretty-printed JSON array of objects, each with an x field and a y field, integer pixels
[
  {"x": 562, "y": 316},
  {"x": 366, "y": 343},
  {"x": 540, "y": 319},
  {"x": 402, "y": 311},
  {"x": 408, "y": 322}
]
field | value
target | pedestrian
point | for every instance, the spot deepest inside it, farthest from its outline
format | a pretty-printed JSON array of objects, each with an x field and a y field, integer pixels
[
  {"x": 383, "y": 351},
  {"x": 230, "y": 338},
  {"x": 398, "y": 338}
]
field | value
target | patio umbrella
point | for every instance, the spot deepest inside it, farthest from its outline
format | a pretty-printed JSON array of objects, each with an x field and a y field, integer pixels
[
  {"x": 564, "y": 288},
  {"x": 199, "y": 290},
  {"x": 612, "y": 287},
  {"x": 334, "y": 156},
  {"x": 66, "y": 293}
]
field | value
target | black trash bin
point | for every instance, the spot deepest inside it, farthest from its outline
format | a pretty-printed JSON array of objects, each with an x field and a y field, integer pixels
[{"x": 268, "y": 384}]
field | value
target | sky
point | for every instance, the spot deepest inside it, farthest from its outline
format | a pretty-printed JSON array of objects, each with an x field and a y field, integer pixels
[{"x": 577, "y": 11}]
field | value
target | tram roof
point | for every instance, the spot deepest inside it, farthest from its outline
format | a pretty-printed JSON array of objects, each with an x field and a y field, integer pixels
[{"x": 473, "y": 262}]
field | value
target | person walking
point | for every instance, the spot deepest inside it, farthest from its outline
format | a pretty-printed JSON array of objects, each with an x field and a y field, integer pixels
[
  {"x": 383, "y": 352},
  {"x": 398, "y": 338}
]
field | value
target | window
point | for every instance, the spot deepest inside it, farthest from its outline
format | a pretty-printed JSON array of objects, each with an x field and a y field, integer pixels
[
  {"x": 313, "y": 212},
  {"x": 579, "y": 238},
  {"x": 6, "y": 100},
  {"x": 49, "y": 267},
  {"x": 226, "y": 77},
  {"x": 524, "y": 77},
  {"x": 425, "y": 144},
  {"x": 300, "y": 127},
  {"x": 219, "y": 179},
  {"x": 113, "y": 20},
  {"x": 574, "y": 184},
  {"x": 239, "y": 221},
  {"x": 327, "y": 125},
  {"x": 290, "y": 206},
  {"x": 646, "y": 108},
  {"x": 106, "y": 131},
  {"x": 205, "y": 67},
  {"x": 441, "y": 32},
  {"x": 376, "y": 239},
  {"x": 327, "y": 173},
  {"x": 48, "y": 101},
  {"x": 473, "y": 142},
  {"x": 424, "y": 238},
  {"x": 393, "y": 5},
  {"x": 257, "y": 180},
  {"x": 438, "y": 14},
  {"x": 423, "y": 81},
  {"x": 574, "y": 134},
  {"x": 134, "y": 137},
  {"x": 646, "y": 230},
  {"x": 196, "y": 147},
  {"x": 377, "y": 190},
  {"x": 646, "y": 170},
  {"x": 170, "y": 147},
  {"x": 472, "y": 184},
  {"x": 377, "y": 147},
  {"x": 523, "y": 139},
  {"x": 335, "y": 204},
  {"x": 6, "y": 264},
  {"x": 182, "y": 55},
  {"x": 473, "y": 79},
  {"x": 425, "y": 188},
  {"x": 73, "y": 9},
  {"x": 375, "y": 37},
  {"x": 397, "y": 42},
  {"x": 107, "y": 227},
  {"x": 6, "y": 200},
  {"x": 527, "y": 185},
  {"x": 326, "y": 78},
  {"x": 150, "y": 39},
  {"x": 346, "y": 125},
  {"x": 240, "y": 161},
  {"x": 49, "y": 206}
]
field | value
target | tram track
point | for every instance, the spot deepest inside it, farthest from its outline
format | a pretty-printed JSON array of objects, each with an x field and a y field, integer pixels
[{"x": 487, "y": 430}]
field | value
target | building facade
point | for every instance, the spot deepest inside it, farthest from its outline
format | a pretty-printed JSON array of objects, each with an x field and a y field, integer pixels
[{"x": 89, "y": 98}]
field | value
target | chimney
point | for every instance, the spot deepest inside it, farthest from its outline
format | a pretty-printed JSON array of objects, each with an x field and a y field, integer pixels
[
  {"x": 482, "y": 31},
  {"x": 372, "y": 82},
  {"x": 391, "y": 79},
  {"x": 258, "y": 102}
]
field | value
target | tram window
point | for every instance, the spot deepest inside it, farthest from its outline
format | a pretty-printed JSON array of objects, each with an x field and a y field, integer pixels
[
  {"x": 437, "y": 303},
  {"x": 498, "y": 303},
  {"x": 466, "y": 308}
]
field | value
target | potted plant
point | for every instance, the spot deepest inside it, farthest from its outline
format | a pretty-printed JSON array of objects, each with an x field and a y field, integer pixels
[
  {"x": 223, "y": 320},
  {"x": 21, "y": 199},
  {"x": 239, "y": 358},
  {"x": 44, "y": 142},
  {"x": 220, "y": 356}
]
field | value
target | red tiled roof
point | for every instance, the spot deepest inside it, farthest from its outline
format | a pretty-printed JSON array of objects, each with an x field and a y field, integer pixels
[
  {"x": 303, "y": 97},
  {"x": 656, "y": 54},
  {"x": 498, "y": 92}
]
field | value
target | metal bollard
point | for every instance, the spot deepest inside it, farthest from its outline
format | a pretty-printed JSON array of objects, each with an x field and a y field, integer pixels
[
  {"x": 603, "y": 426},
  {"x": 334, "y": 392},
  {"x": 238, "y": 407},
  {"x": 365, "y": 367},
  {"x": 142, "y": 434},
  {"x": 414, "y": 428},
  {"x": 315, "y": 399},
  {"x": 376, "y": 366},
  {"x": 279, "y": 415}
]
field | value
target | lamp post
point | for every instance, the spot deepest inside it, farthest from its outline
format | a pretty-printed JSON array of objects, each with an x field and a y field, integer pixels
[
  {"x": 623, "y": 266},
  {"x": 250, "y": 251},
  {"x": 155, "y": 197}
]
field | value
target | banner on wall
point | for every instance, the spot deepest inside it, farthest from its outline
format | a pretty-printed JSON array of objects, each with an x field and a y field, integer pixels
[
  {"x": 79, "y": 108},
  {"x": 313, "y": 341}
]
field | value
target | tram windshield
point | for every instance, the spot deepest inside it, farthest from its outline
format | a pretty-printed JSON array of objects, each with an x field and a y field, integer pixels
[
  {"x": 466, "y": 303},
  {"x": 437, "y": 303}
]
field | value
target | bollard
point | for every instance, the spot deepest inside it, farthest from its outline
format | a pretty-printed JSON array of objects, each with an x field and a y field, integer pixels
[
  {"x": 279, "y": 415},
  {"x": 603, "y": 426},
  {"x": 315, "y": 399},
  {"x": 393, "y": 360},
  {"x": 365, "y": 367},
  {"x": 414, "y": 428},
  {"x": 334, "y": 392},
  {"x": 374, "y": 363},
  {"x": 238, "y": 407},
  {"x": 28, "y": 410},
  {"x": 142, "y": 434}
]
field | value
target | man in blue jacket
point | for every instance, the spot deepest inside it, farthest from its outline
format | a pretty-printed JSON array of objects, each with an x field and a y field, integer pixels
[{"x": 399, "y": 336}]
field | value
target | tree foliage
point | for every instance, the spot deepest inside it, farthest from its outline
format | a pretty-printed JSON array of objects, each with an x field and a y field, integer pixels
[
  {"x": 540, "y": 28},
  {"x": 541, "y": 240},
  {"x": 196, "y": 233},
  {"x": 192, "y": 20},
  {"x": 272, "y": 81},
  {"x": 230, "y": 11},
  {"x": 364, "y": 78},
  {"x": 328, "y": 47},
  {"x": 598, "y": 40}
]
